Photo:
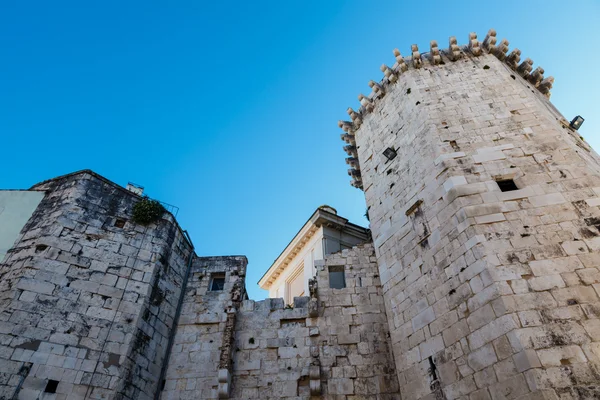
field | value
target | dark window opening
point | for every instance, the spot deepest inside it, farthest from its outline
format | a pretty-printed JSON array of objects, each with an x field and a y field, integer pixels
[
  {"x": 51, "y": 386},
  {"x": 337, "y": 278},
  {"x": 119, "y": 223},
  {"x": 390, "y": 153},
  {"x": 507, "y": 185},
  {"x": 217, "y": 283}
]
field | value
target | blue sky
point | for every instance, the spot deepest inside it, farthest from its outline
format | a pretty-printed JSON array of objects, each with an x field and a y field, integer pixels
[{"x": 230, "y": 111}]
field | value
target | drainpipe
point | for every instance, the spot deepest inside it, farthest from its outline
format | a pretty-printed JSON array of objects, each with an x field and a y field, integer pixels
[{"x": 163, "y": 371}]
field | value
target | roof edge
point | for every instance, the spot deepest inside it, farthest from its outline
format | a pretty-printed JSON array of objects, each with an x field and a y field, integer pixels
[{"x": 317, "y": 218}]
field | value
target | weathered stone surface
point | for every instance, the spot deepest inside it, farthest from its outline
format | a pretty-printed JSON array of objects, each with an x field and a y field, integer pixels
[
  {"x": 511, "y": 277},
  {"x": 282, "y": 352},
  {"x": 86, "y": 300}
]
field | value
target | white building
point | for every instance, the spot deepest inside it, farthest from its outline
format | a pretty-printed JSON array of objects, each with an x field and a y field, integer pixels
[{"x": 324, "y": 233}]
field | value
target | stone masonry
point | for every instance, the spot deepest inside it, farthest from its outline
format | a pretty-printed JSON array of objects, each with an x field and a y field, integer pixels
[
  {"x": 331, "y": 345},
  {"x": 481, "y": 282},
  {"x": 95, "y": 306},
  {"x": 484, "y": 208},
  {"x": 87, "y": 298}
]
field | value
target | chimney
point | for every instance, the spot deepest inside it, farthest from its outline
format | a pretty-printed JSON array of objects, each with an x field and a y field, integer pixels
[{"x": 137, "y": 189}]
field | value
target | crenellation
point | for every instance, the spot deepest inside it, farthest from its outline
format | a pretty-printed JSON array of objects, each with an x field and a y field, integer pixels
[
  {"x": 356, "y": 117},
  {"x": 400, "y": 66},
  {"x": 365, "y": 102},
  {"x": 489, "y": 43},
  {"x": 454, "y": 52},
  {"x": 433, "y": 59},
  {"x": 473, "y": 45},
  {"x": 525, "y": 67},
  {"x": 434, "y": 53},
  {"x": 416, "y": 56},
  {"x": 378, "y": 90},
  {"x": 389, "y": 74}
]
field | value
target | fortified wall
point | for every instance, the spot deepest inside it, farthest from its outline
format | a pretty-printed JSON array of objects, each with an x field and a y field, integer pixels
[
  {"x": 87, "y": 298},
  {"x": 96, "y": 306},
  {"x": 333, "y": 344},
  {"x": 483, "y": 204}
]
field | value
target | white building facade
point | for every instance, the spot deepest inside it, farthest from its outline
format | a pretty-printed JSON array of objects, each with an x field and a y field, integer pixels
[{"x": 324, "y": 233}]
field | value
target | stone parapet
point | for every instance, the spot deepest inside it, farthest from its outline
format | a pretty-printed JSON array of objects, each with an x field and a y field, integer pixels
[{"x": 435, "y": 58}]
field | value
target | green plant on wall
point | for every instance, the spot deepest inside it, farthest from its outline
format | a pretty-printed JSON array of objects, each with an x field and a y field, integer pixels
[{"x": 147, "y": 211}]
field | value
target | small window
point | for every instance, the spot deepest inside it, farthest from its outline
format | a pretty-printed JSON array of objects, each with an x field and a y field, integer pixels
[
  {"x": 507, "y": 185},
  {"x": 119, "y": 223},
  {"x": 390, "y": 153},
  {"x": 337, "y": 279},
  {"x": 217, "y": 283},
  {"x": 51, "y": 386}
]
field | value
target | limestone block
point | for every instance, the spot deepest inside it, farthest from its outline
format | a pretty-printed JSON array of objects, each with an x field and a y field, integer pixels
[
  {"x": 513, "y": 387},
  {"x": 555, "y": 265},
  {"x": 340, "y": 386},
  {"x": 493, "y": 330},
  {"x": 454, "y": 181},
  {"x": 349, "y": 338},
  {"x": 488, "y": 156},
  {"x": 558, "y": 356},
  {"x": 424, "y": 318},
  {"x": 482, "y": 357},
  {"x": 547, "y": 199}
]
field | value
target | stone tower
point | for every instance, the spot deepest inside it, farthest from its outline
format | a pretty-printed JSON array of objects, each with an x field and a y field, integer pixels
[
  {"x": 88, "y": 299},
  {"x": 484, "y": 207}
]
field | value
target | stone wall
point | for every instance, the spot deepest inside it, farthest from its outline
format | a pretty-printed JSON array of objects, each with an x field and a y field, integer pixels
[
  {"x": 489, "y": 294},
  {"x": 87, "y": 298},
  {"x": 355, "y": 348},
  {"x": 333, "y": 344},
  {"x": 204, "y": 332}
]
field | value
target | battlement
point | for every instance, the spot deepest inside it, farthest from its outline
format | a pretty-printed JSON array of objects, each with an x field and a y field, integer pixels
[{"x": 436, "y": 58}]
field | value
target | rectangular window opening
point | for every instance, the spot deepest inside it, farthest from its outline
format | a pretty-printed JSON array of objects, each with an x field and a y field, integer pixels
[
  {"x": 507, "y": 185},
  {"x": 51, "y": 386},
  {"x": 337, "y": 278},
  {"x": 217, "y": 282},
  {"x": 390, "y": 153},
  {"x": 119, "y": 223}
]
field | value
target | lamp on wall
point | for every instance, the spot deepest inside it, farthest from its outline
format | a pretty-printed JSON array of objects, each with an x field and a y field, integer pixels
[
  {"x": 390, "y": 153},
  {"x": 577, "y": 122}
]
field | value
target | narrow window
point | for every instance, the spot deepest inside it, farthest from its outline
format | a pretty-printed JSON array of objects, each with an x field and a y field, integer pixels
[
  {"x": 217, "y": 282},
  {"x": 51, "y": 386},
  {"x": 337, "y": 280},
  {"x": 507, "y": 185}
]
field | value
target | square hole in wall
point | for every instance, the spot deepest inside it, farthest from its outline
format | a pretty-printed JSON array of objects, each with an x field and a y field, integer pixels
[
  {"x": 390, "y": 153},
  {"x": 51, "y": 386},
  {"x": 507, "y": 185},
  {"x": 337, "y": 278},
  {"x": 119, "y": 223},
  {"x": 217, "y": 282}
]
